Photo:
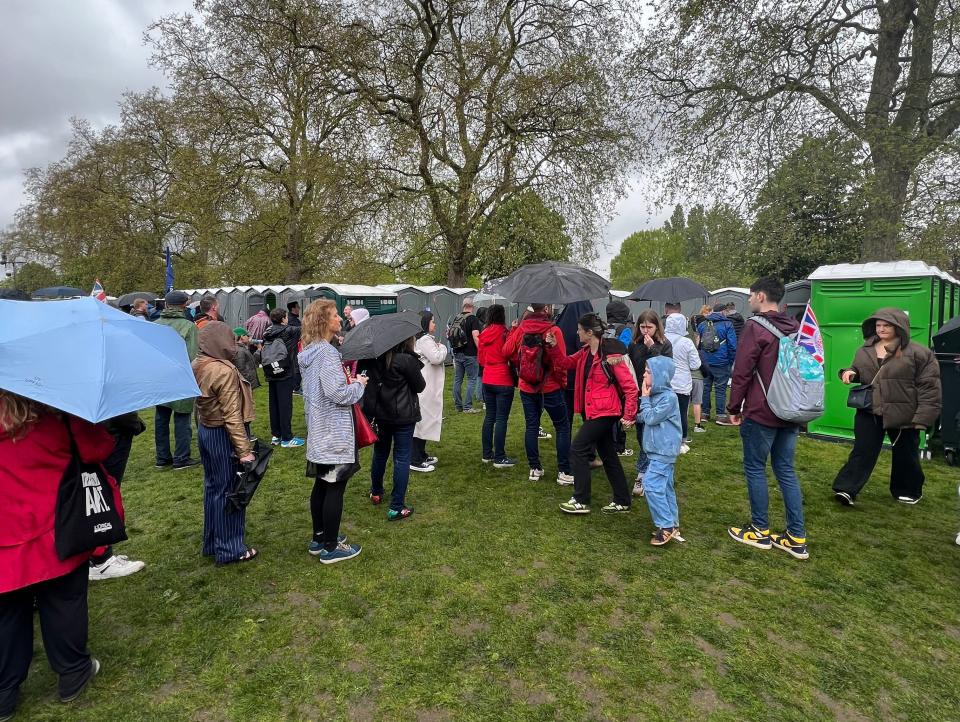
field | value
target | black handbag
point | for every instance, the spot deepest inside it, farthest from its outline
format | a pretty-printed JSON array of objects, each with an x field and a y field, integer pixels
[
  {"x": 89, "y": 511},
  {"x": 861, "y": 397}
]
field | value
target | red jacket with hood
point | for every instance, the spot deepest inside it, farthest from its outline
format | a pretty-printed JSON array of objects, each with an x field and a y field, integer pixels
[
  {"x": 31, "y": 468},
  {"x": 491, "y": 358},
  {"x": 594, "y": 395},
  {"x": 757, "y": 351},
  {"x": 538, "y": 323}
]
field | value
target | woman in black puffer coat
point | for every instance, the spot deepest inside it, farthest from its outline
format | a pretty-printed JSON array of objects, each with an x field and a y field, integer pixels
[{"x": 391, "y": 401}]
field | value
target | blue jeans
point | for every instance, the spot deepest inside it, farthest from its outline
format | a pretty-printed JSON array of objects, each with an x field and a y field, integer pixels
[
  {"x": 719, "y": 376},
  {"x": 533, "y": 407},
  {"x": 464, "y": 365},
  {"x": 182, "y": 435},
  {"x": 779, "y": 444},
  {"x": 499, "y": 400},
  {"x": 402, "y": 439},
  {"x": 661, "y": 496}
]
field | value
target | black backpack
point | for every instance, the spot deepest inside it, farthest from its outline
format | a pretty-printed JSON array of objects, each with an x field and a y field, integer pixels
[
  {"x": 457, "y": 334},
  {"x": 709, "y": 340}
]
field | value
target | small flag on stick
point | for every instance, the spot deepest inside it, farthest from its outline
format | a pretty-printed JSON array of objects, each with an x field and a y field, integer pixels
[
  {"x": 809, "y": 336},
  {"x": 98, "y": 292}
]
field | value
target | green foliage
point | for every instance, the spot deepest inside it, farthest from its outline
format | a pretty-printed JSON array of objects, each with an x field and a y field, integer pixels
[
  {"x": 811, "y": 211},
  {"x": 645, "y": 255},
  {"x": 714, "y": 241},
  {"x": 31, "y": 276},
  {"x": 523, "y": 230}
]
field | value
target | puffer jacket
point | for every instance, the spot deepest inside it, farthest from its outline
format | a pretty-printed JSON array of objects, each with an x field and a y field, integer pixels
[
  {"x": 539, "y": 323},
  {"x": 727, "y": 337},
  {"x": 907, "y": 393},
  {"x": 660, "y": 412},
  {"x": 329, "y": 398},
  {"x": 685, "y": 356},
  {"x": 594, "y": 395},
  {"x": 395, "y": 389},
  {"x": 290, "y": 335}
]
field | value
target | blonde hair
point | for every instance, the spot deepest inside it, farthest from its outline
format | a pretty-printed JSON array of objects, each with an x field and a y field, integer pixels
[
  {"x": 706, "y": 309},
  {"x": 18, "y": 413},
  {"x": 316, "y": 320}
]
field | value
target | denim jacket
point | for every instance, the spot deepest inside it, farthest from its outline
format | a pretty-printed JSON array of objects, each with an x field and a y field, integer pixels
[{"x": 660, "y": 413}]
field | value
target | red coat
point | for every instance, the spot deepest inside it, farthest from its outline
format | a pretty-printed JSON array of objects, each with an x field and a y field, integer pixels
[
  {"x": 537, "y": 323},
  {"x": 600, "y": 397},
  {"x": 491, "y": 358},
  {"x": 30, "y": 471}
]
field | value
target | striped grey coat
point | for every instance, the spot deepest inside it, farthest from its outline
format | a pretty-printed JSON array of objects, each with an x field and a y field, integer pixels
[{"x": 328, "y": 400}]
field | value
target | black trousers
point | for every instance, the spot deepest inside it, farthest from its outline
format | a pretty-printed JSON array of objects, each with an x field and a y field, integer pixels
[
  {"x": 419, "y": 455},
  {"x": 598, "y": 434},
  {"x": 619, "y": 438},
  {"x": 684, "y": 400},
  {"x": 63, "y": 622},
  {"x": 281, "y": 407},
  {"x": 116, "y": 466},
  {"x": 906, "y": 475}
]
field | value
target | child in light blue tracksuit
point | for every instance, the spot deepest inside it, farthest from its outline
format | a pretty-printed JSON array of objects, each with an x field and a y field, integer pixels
[{"x": 660, "y": 415}]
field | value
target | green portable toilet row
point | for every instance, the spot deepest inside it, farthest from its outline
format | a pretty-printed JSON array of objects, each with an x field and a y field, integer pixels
[
  {"x": 843, "y": 296},
  {"x": 376, "y": 300}
]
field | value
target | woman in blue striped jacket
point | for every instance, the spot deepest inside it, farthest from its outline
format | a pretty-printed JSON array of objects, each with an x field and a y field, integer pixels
[{"x": 329, "y": 394}]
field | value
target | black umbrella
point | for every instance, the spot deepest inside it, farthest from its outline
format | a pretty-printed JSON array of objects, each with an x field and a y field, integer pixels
[
  {"x": 127, "y": 299},
  {"x": 14, "y": 294},
  {"x": 379, "y": 334},
  {"x": 58, "y": 292},
  {"x": 553, "y": 282},
  {"x": 669, "y": 289},
  {"x": 249, "y": 476}
]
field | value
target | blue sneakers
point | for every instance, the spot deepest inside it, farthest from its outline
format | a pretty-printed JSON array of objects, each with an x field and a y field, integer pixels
[
  {"x": 316, "y": 547},
  {"x": 341, "y": 553},
  {"x": 293, "y": 443}
]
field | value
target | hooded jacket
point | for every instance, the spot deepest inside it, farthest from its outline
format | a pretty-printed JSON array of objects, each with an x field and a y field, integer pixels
[
  {"x": 727, "y": 337},
  {"x": 618, "y": 316},
  {"x": 542, "y": 324},
  {"x": 174, "y": 318},
  {"x": 495, "y": 364},
  {"x": 907, "y": 393},
  {"x": 225, "y": 398},
  {"x": 568, "y": 322},
  {"x": 738, "y": 323},
  {"x": 329, "y": 399},
  {"x": 290, "y": 335},
  {"x": 685, "y": 355},
  {"x": 758, "y": 353},
  {"x": 594, "y": 395},
  {"x": 397, "y": 381},
  {"x": 660, "y": 413}
]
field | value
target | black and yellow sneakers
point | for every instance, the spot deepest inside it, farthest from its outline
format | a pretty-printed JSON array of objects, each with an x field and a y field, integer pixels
[
  {"x": 751, "y": 536},
  {"x": 792, "y": 545}
]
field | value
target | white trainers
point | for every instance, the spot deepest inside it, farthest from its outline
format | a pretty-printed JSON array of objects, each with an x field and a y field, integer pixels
[
  {"x": 116, "y": 566},
  {"x": 684, "y": 448},
  {"x": 564, "y": 479},
  {"x": 536, "y": 474},
  {"x": 541, "y": 434}
]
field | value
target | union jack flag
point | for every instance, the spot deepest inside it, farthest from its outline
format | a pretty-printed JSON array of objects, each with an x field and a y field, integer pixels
[
  {"x": 98, "y": 292},
  {"x": 809, "y": 336}
]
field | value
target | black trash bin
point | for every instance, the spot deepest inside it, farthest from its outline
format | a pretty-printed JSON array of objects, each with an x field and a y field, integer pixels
[{"x": 946, "y": 345}]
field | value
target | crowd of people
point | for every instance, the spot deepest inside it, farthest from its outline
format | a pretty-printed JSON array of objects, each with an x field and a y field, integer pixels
[{"x": 649, "y": 374}]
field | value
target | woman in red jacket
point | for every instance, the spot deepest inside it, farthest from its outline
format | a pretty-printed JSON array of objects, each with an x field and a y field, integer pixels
[
  {"x": 34, "y": 454},
  {"x": 498, "y": 383},
  {"x": 604, "y": 392}
]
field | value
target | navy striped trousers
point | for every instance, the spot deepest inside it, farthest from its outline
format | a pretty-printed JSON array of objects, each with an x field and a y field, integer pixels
[{"x": 222, "y": 523}]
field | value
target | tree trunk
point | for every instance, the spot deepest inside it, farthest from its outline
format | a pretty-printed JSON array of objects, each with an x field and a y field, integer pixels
[
  {"x": 886, "y": 199},
  {"x": 293, "y": 248},
  {"x": 457, "y": 253}
]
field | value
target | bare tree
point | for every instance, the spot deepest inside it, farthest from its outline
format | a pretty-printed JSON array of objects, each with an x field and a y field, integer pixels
[{"x": 734, "y": 87}]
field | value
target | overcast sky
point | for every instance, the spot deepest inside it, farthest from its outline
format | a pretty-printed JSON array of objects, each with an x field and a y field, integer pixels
[{"x": 65, "y": 58}]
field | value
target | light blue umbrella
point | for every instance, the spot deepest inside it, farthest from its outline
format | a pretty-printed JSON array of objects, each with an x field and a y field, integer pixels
[{"x": 89, "y": 359}]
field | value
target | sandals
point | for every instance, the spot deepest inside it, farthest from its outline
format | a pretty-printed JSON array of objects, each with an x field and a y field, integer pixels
[{"x": 247, "y": 556}]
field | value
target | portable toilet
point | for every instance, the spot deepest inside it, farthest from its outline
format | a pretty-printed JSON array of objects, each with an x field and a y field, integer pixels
[
  {"x": 729, "y": 294},
  {"x": 796, "y": 298},
  {"x": 842, "y": 296},
  {"x": 485, "y": 300},
  {"x": 376, "y": 300},
  {"x": 409, "y": 298}
]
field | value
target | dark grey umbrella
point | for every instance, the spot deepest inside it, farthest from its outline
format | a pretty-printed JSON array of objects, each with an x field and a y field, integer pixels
[
  {"x": 379, "y": 334},
  {"x": 669, "y": 289},
  {"x": 58, "y": 292},
  {"x": 553, "y": 282},
  {"x": 249, "y": 476},
  {"x": 127, "y": 299}
]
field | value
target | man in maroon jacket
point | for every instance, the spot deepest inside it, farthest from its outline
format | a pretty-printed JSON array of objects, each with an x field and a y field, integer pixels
[
  {"x": 547, "y": 396},
  {"x": 762, "y": 432}
]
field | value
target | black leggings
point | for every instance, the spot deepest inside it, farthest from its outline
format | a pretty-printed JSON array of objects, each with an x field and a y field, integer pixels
[
  {"x": 684, "y": 400},
  {"x": 419, "y": 455},
  {"x": 326, "y": 508}
]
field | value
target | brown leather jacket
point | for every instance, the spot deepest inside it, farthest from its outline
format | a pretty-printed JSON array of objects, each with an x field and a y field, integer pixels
[
  {"x": 907, "y": 393},
  {"x": 225, "y": 400}
]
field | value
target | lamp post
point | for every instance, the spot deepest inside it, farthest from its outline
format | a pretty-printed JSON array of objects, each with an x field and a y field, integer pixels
[{"x": 5, "y": 261}]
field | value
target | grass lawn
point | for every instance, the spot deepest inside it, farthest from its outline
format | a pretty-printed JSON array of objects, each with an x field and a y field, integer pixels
[{"x": 489, "y": 604}]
